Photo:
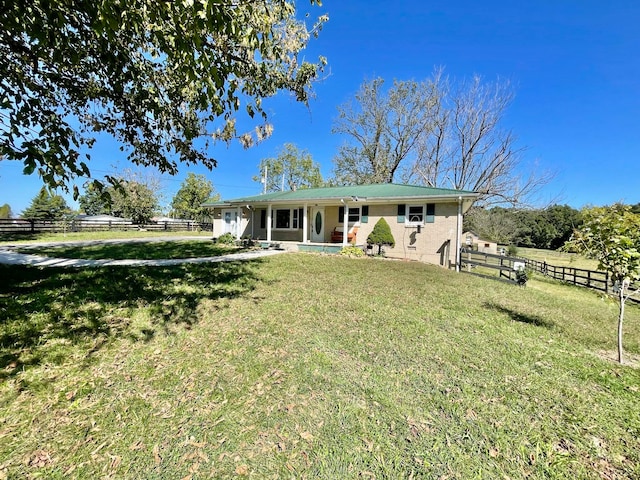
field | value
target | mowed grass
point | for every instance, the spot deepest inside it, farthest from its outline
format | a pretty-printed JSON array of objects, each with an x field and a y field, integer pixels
[
  {"x": 305, "y": 366},
  {"x": 83, "y": 236},
  {"x": 147, "y": 250},
  {"x": 558, "y": 258}
]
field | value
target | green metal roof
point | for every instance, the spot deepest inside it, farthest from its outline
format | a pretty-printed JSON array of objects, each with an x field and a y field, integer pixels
[{"x": 362, "y": 192}]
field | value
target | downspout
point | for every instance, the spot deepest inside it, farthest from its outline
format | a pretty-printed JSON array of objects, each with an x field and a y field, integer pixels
[{"x": 458, "y": 233}]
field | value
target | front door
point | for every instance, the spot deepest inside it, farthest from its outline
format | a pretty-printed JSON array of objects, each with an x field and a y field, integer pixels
[
  {"x": 317, "y": 225},
  {"x": 230, "y": 218}
]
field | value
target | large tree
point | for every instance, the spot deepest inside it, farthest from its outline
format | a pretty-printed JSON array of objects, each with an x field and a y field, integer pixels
[
  {"x": 611, "y": 235},
  {"x": 438, "y": 134},
  {"x": 46, "y": 206},
  {"x": 133, "y": 199},
  {"x": 498, "y": 224},
  {"x": 188, "y": 200},
  {"x": 292, "y": 168},
  {"x": 382, "y": 130},
  {"x": 469, "y": 148},
  {"x": 134, "y": 195},
  {"x": 94, "y": 201},
  {"x": 164, "y": 78}
]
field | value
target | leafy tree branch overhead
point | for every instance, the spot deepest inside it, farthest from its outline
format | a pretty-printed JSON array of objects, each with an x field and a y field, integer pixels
[{"x": 157, "y": 76}]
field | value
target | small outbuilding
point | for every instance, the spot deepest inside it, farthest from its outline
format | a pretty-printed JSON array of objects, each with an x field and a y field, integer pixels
[{"x": 473, "y": 241}]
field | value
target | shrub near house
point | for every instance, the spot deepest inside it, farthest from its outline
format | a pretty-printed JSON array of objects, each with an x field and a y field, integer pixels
[{"x": 381, "y": 235}]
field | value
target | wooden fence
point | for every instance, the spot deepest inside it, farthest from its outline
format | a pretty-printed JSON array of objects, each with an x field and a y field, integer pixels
[
  {"x": 25, "y": 226},
  {"x": 580, "y": 277},
  {"x": 577, "y": 276},
  {"x": 506, "y": 266}
]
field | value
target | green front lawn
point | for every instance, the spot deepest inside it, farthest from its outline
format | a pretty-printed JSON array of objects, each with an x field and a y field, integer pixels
[
  {"x": 137, "y": 251},
  {"x": 309, "y": 366},
  {"x": 13, "y": 238}
]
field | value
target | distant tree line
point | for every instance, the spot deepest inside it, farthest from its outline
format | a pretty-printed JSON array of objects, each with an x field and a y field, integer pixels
[
  {"x": 132, "y": 196},
  {"x": 547, "y": 228}
]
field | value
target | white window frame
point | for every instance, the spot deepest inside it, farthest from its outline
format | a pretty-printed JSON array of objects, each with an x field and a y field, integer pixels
[
  {"x": 295, "y": 223},
  {"x": 356, "y": 222},
  {"x": 423, "y": 213}
]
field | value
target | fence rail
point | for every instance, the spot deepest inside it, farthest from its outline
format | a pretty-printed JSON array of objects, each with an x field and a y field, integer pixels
[
  {"x": 505, "y": 265},
  {"x": 594, "y": 279},
  {"x": 25, "y": 226}
]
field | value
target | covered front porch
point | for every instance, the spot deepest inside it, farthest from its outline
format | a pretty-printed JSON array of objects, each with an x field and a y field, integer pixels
[{"x": 318, "y": 226}]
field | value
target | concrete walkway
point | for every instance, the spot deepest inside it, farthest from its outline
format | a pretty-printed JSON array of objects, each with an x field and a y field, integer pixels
[{"x": 10, "y": 257}]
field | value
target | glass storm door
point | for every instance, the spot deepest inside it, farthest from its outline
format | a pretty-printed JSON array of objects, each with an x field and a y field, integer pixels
[
  {"x": 230, "y": 218},
  {"x": 317, "y": 225}
]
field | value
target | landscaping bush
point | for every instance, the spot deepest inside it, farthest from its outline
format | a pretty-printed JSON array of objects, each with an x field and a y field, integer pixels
[
  {"x": 352, "y": 251},
  {"x": 522, "y": 276},
  {"x": 226, "y": 239},
  {"x": 381, "y": 235}
]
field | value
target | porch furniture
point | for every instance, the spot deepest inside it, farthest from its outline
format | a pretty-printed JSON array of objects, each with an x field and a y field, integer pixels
[{"x": 336, "y": 234}]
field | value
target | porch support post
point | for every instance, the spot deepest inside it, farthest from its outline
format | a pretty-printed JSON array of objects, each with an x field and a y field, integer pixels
[
  {"x": 345, "y": 222},
  {"x": 238, "y": 222},
  {"x": 305, "y": 224},
  {"x": 458, "y": 233},
  {"x": 252, "y": 210},
  {"x": 269, "y": 213}
]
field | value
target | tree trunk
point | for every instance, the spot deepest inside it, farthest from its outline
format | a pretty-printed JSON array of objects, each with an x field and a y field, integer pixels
[{"x": 621, "y": 298}]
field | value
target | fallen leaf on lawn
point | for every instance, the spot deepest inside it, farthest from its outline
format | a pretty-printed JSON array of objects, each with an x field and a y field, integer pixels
[
  {"x": 156, "y": 454},
  {"x": 193, "y": 443},
  {"x": 136, "y": 446},
  {"x": 39, "y": 459},
  {"x": 369, "y": 444},
  {"x": 494, "y": 452},
  {"x": 115, "y": 461},
  {"x": 242, "y": 470},
  {"x": 306, "y": 436},
  {"x": 71, "y": 395}
]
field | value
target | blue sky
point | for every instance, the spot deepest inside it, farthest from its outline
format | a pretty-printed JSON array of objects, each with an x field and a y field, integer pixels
[{"x": 574, "y": 65}]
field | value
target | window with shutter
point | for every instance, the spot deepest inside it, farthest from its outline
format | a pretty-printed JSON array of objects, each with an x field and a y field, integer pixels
[
  {"x": 401, "y": 213},
  {"x": 431, "y": 213}
]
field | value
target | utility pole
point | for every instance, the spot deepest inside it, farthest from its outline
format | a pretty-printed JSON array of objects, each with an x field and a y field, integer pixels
[{"x": 264, "y": 180}]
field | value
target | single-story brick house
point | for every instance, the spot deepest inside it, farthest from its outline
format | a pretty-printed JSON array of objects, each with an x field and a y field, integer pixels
[{"x": 426, "y": 223}]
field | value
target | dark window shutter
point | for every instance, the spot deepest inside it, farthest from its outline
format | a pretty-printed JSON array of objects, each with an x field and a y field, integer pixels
[
  {"x": 300, "y": 219},
  {"x": 263, "y": 219},
  {"x": 402, "y": 209},
  {"x": 364, "y": 217},
  {"x": 341, "y": 215},
  {"x": 431, "y": 213}
]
